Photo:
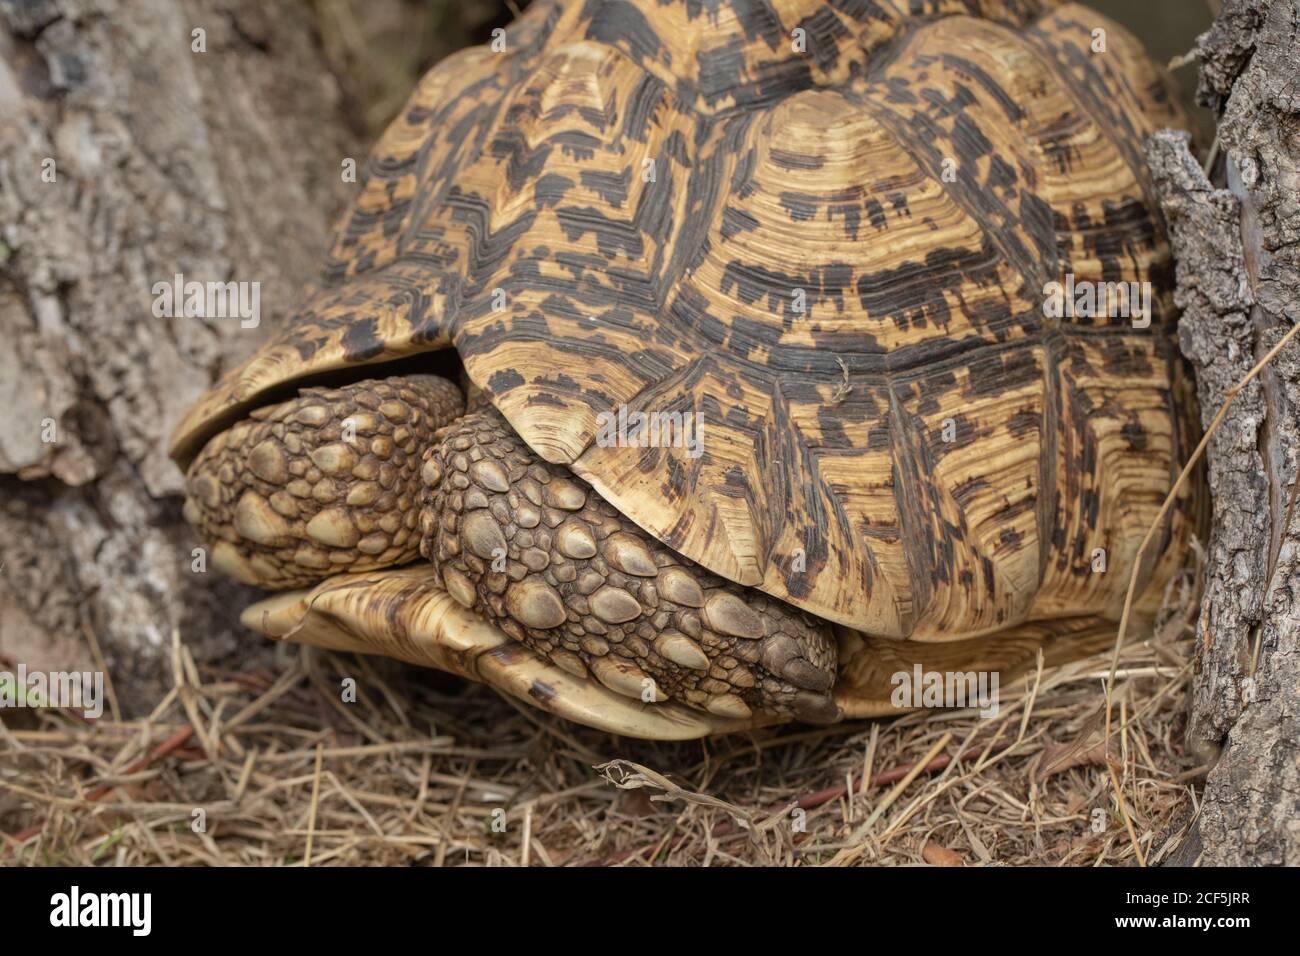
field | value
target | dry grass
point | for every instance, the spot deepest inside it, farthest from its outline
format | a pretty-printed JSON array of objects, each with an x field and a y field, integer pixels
[{"x": 425, "y": 769}]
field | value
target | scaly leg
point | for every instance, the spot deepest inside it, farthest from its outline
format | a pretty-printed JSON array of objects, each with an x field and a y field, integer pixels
[
  {"x": 321, "y": 484},
  {"x": 538, "y": 553}
]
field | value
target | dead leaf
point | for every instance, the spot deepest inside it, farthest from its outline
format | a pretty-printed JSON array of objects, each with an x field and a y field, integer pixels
[
  {"x": 1088, "y": 747},
  {"x": 937, "y": 855}
]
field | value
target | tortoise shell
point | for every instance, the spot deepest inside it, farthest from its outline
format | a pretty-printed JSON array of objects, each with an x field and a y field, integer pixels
[{"x": 825, "y": 232}]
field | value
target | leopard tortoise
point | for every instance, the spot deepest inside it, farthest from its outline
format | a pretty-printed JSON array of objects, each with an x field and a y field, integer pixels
[{"x": 761, "y": 400}]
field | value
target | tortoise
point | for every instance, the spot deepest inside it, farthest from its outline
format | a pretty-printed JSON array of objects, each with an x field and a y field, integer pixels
[{"x": 761, "y": 399}]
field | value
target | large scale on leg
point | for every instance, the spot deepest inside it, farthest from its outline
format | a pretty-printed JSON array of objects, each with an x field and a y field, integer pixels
[{"x": 835, "y": 252}]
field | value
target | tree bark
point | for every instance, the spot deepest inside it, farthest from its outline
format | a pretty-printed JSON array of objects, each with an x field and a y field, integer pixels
[
  {"x": 1238, "y": 270},
  {"x": 127, "y": 155}
]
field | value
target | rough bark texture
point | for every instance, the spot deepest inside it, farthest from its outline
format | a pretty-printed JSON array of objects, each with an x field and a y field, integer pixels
[
  {"x": 220, "y": 165},
  {"x": 1238, "y": 252}
]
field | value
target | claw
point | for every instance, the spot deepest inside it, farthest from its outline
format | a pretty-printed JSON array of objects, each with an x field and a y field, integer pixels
[
  {"x": 815, "y": 708},
  {"x": 803, "y": 673}
]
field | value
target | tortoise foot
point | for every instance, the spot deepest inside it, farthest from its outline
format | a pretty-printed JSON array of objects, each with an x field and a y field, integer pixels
[{"x": 541, "y": 555}]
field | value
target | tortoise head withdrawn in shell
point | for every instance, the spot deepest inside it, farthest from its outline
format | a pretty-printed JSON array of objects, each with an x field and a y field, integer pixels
[{"x": 765, "y": 403}]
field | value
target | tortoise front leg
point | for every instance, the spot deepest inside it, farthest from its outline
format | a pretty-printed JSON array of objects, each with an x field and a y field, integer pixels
[
  {"x": 321, "y": 484},
  {"x": 537, "y": 552}
]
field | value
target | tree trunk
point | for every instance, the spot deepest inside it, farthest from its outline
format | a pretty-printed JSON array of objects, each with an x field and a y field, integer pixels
[
  {"x": 131, "y": 149},
  {"x": 1238, "y": 269}
]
